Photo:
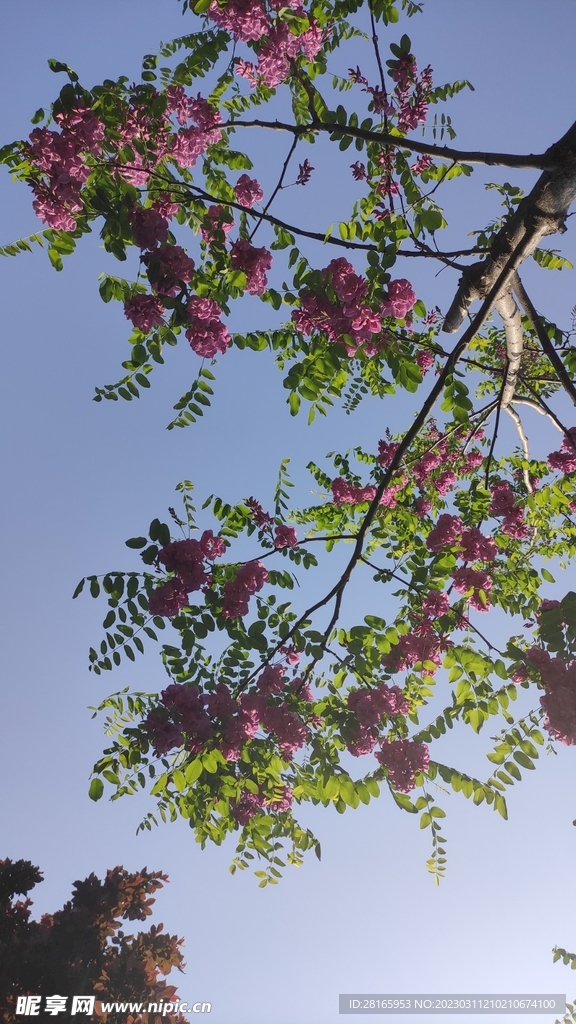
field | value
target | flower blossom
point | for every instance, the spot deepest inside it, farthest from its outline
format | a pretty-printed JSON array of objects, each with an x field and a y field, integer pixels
[
  {"x": 248, "y": 191},
  {"x": 287, "y": 726},
  {"x": 271, "y": 679},
  {"x": 475, "y": 580},
  {"x": 246, "y": 20},
  {"x": 248, "y": 805},
  {"x": 421, "y": 645},
  {"x": 403, "y": 758},
  {"x": 401, "y": 299},
  {"x": 504, "y": 504},
  {"x": 350, "y": 321},
  {"x": 370, "y": 705},
  {"x": 168, "y": 267},
  {"x": 559, "y": 700},
  {"x": 447, "y": 531},
  {"x": 216, "y": 225},
  {"x": 207, "y": 334},
  {"x": 386, "y": 452},
  {"x": 148, "y": 227},
  {"x": 189, "y": 143},
  {"x": 285, "y": 537},
  {"x": 346, "y": 494},
  {"x": 565, "y": 459},
  {"x": 250, "y": 578},
  {"x": 435, "y": 604},
  {"x": 169, "y": 598},
  {"x": 476, "y": 546},
  {"x": 253, "y": 262},
  {"x": 145, "y": 312}
]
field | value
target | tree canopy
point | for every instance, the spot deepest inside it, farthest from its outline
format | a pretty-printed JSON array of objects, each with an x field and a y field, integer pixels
[
  {"x": 270, "y": 704},
  {"x": 83, "y": 949}
]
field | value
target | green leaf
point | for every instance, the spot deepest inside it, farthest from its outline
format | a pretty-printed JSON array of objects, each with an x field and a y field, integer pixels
[{"x": 193, "y": 771}]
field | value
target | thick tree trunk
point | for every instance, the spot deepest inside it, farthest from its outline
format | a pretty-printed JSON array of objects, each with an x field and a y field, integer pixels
[{"x": 542, "y": 212}]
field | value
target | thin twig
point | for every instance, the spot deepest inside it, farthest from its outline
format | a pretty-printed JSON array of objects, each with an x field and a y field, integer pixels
[
  {"x": 495, "y": 434},
  {"x": 278, "y": 186}
]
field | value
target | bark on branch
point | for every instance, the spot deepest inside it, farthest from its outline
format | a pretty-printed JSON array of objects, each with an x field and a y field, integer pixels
[
  {"x": 542, "y": 212},
  {"x": 536, "y": 160}
]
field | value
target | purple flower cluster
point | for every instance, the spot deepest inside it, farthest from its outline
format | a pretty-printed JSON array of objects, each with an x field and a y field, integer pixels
[
  {"x": 250, "y": 578},
  {"x": 403, "y": 758}
]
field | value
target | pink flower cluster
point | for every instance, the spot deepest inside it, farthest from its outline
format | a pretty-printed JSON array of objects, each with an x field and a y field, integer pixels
[
  {"x": 420, "y": 645},
  {"x": 441, "y": 454},
  {"x": 207, "y": 334},
  {"x": 250, "y": 803},
  {"x": 147, "y": 137},
  {"x": 559, "y": 701},
  {"x": 347, "y": 320},
  {"x": 474, "y": 545},
  {"x": 424, "y": 360},
  {"x": 426, "y": 465},
  {"x": 287, "y": 726},
  {"x": 248, "y": 20},
  {"x": 411, "y": 93},
  {"x": 368, "y": 707},
  {"x": 435, "y": 604},
  {"x": 448, "y": 531},
  {"x": 565, "y": 459},
  {"x": 187, "y": 559},
  {"x": 504, "y": 504},
  {"x": 282, "y": 47},
  {"x": 421, "y": 165},
  {"x": 473, "y": 579},
  {"x": 149, "y": 227},
  {"x": 250, "y": 578},
  {"x": 344, "y": 493},
  {"x": 260, "y": 517},
  {"x": 401, "y": 299},
  {"x": 189, "y": 718},
  {"x": 248, "y": 191},
  {"x": 403, "y": 758},
  {"x": 186, "y": 717},
  {"x": 145, "y": 312},
  {"x": 271, "y": 680},
  {"x": 252, "y": 262},
  {"x": 61, "y": 159},
  {"x": 190, "y": 142},
  {"x": 169, "y": 268},
  {"x": 217, "y": 223},
  {"x": 285, "y": 537},
  {"x": 386, "y": 452}
]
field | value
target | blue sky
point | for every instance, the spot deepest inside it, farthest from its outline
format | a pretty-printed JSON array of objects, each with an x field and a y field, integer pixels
[{"x": 80, "y": 477}]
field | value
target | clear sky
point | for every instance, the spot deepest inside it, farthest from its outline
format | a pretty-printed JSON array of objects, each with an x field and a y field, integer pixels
[{"x": 78, "y": 478}]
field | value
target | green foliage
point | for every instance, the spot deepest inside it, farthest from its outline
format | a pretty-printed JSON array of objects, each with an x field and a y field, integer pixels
[{"x": 339, "y": 334}]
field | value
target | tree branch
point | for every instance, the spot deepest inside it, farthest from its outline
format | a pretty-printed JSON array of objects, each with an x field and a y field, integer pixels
[
  {"x": 539, "y": 161},
  {"x": 547, "y": 346},
  {"x": 542, "y": 212},
  {"x": 426, "y": 252},
  {"x": 539, "y": 409}
]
